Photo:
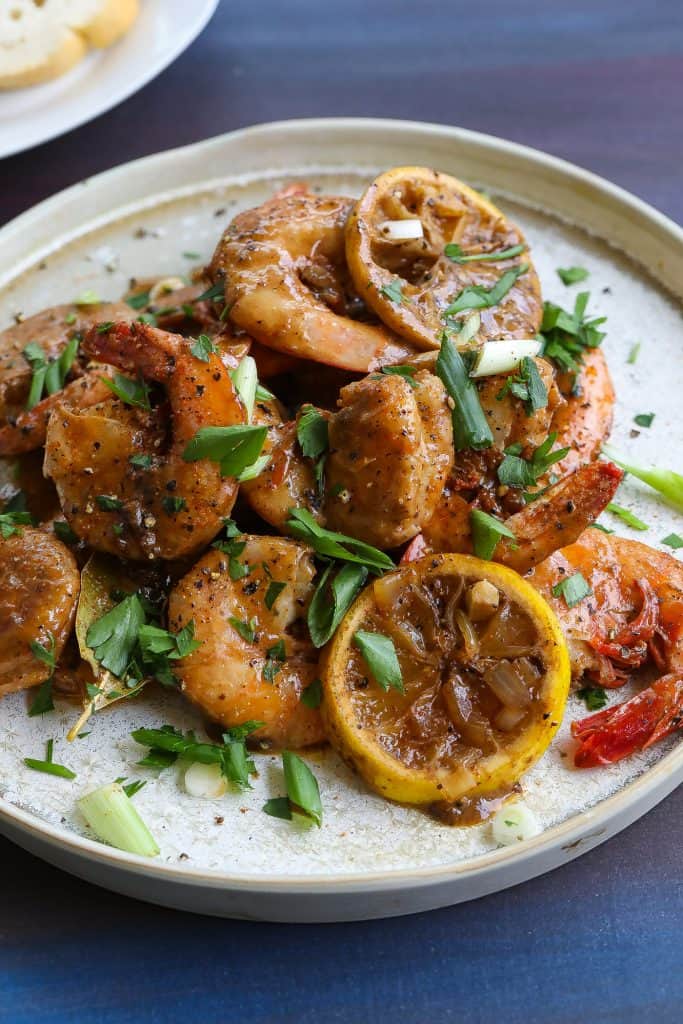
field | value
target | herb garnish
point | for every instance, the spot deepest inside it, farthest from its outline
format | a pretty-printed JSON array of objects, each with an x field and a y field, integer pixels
[
  {"x": 247, "y": 630},
  {"x": 665, "y": 481},
  {"x": 572, "y": 275},
  {"x": 332, "y": 545},
  {"x": 332, "y": 599},
  {"x": 172, "y": 504},
  {"x": 593, "y": 696},
  {"x": 630, "y": 518},
  {"x": 633, "y": 354},
  {"x": 470, "y": 426},
  {"x": 313, "y": 437},
  {"x": 407, "y": 372},
  {"x": 673, "y": 540},
  {"x": 379, "y": 654},
  {"x": 48, "y": 766},
  {"x": 138, "y": 301},
  {"x": 478, "y": 297},
  {"x": 567, "y": 335},
  {"x": 527, "y": 385},
  {"x": 303, "y": 793},
  {"x": 455, "y": 253},
  {"x": 394, "y": 291},
  {"x": 168, "y": 744},
  {"x": 233, "y": 448},
  {"x": 573, "y": 589},
  {"x": 275, "y": 588},
  {"x": 141, "y": 461},
  {"x": 10, "y": 521},
  {"x": 48, "y": 375},
  {"x": 132, "y": 392},
  {"x": 312, "y": 696},
  {"x": 108, "y": 503},
  {"x": 486, "y": 532},
  {"x": 63, "y": 531},
  {"x": 514, "y": 471},
  {"x": 46, "y": 653},
  {"x": 644, "y": 419},
  {"x": 203, "y": 347}
]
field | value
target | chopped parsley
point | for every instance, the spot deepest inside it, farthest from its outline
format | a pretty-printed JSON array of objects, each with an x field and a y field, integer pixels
[
  {"x": 644, "y": 419},
  {"x": 567, "y": 335},
  {"x": 332, "y": 545},
  {"x": 594, "y": 697},
  {"x": 168, "y": 744},
  {"x": 313, "y": 437},
  {"x": 63, "y": 531},
  {"x": 131, "y": 392},
  {"x": 139, "y": 300},
  {"x": 10, "y": 522},
  {"x": 407, "y": 372},
  {"x": 203, "y": 348},
  {"x": 141, "y": 461},
  {"x": 107, "y": 503},
  {"x": 394, "y": 291},
  {"x": 233, "y": 448},
  {"x": 312, "y": 696},
  {"x": 303, "y": 793},
  {"x": 573, "y": 589},
  {"x": 332, "y": 599},
  {"x": 379, "y": 654},
  {"x": 633, "y": 354},
  {"x": 478, "y": 297},
  {"x": 572, "y": 275},
  {"x": 486, "y": 532},
  {"x": 514, "y": 471},
  {"x": 43, "y": 702},
  {"x": 275, "y": 588},
  {"x": 673, "y": 540},
  {"x": 247, "y": 630},
  {"x": 527, "y": 385},
  {"x": 172, "y": 504}
]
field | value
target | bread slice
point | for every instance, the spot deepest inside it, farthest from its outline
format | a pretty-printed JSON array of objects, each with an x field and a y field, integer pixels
[{"x": 42, "y": 40}]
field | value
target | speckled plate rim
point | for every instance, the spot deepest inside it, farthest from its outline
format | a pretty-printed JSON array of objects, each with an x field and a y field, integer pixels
[{"x": 567, "y": 191}]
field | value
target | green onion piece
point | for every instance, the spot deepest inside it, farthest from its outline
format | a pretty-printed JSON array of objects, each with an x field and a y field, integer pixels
[
  {"x": 114, "y": 819},
  {"x": 633, "y": 354},
  {"x": 49, "y": 768},
  {"x": 302, "y": 787},
  {"x": 628, "y": 517},
  {"x": 275, "y": 588},
  {"x": 138, "y": 301},
  {"x": 644, "y": 419},
  {"x": 470, "y": 426},
  {"x": 573, "y": 589},
  {"x": 380, "y": 656},
  {"x": 278, "y": 807},
  {"x": 673, "y": 540},
  {"x": 132, "y": 392},
  {"x": 87, "y": 298},
  {"x": 245, "y": 380},
  {"x": 312, "y": 696},
  {"x": 455, "y": 253},
  {"x": 486, "y": 532},
  {"x": 665, "y": 481}
]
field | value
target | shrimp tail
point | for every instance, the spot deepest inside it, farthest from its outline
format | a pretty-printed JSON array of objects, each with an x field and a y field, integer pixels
[
  {"x": 27, "y": 431},
  {"x": 560, "y": 516},
  {"x": 636, "y": 724},
  {"x": 136, "y": 348}
]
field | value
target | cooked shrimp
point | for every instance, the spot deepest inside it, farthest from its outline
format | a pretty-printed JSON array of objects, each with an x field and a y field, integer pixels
[
  {"x": 288, "y": 481},
  {"x": 391, "y": 449},
  {"x": 166, "y": 508},
  {"x": 26, "y": 432},
  {"x": 411, "y": 283},
  {"x": 253, "y": 664},
  {"x": 558, "y": 516},
  {"x": 22, "y": 430},
  {"x": 39, "y": 587},
  {"x": 584, "y": 420},
  {"x": 633, "y": 616},
  {"x": 287, "y": 286}
]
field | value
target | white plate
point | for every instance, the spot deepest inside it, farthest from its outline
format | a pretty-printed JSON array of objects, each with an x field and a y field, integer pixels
[
  {"x": 162, "y": 31},
  {"x": 371, "y": 858}
]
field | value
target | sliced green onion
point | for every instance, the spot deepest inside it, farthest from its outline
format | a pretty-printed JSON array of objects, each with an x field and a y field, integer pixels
[
  {"x": 245, "y": 380},
  {"x": 630, "y": 518},
  {"x": 496, "y": 357},
  {"x": 470, "y": 426},
  {"x": 665, "y": 481},
  {"x": 114, "y": 819},
  {"x": 302, "y": 786},
  {"x": 455, "y": 253},
  {"x": 478, "y": 297}
]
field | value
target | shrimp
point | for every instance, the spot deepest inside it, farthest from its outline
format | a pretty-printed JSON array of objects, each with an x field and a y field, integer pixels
[
  {"x": 158, "y": 506},
  {"x": 253, "y": 663},
  {"x": 558, "y": 516},
  {"x": 39, "y": 588},
  {"x": 633, "y": 616},
  {"x": 288, "y": 481},
  {"x": 583, "y": 421},
  {"x": 391, "y": 450},
  {"x": 287, "y": 285},
  {"x": 22, "y": 430}
]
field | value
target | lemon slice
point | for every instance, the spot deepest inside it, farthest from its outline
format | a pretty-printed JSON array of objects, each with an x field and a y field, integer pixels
[
  {"x": 484, "y": 680},
  {"x": 408, "y": 279}
]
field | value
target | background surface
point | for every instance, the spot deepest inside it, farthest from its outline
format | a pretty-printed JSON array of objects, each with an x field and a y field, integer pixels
[{"x": 601, "y": 84}]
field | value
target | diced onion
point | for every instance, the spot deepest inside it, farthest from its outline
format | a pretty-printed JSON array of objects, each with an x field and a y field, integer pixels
[
  {"x": 401, "y": 230},
  {"x": 503, "y": 356},
  {"x": 205, "y": 780},
  {"x": 164, "y": 287},
  {"x": 507, "y": 684},
  {"x": 482, "y": 600},
  {"x": 508, "y": 718},
  {"x": 514, "y": 823}
]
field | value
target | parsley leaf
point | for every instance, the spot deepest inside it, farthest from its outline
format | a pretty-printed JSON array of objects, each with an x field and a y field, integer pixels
[
  {"x": 275, "y": 588},
  {"x": 172, "y": 504},
  {"x": 11, "y": 521},
  {"x": 644, "y": 419},
  {"x": 312, "y": 696},
  {"x": 332, "y": 599},
  {"x": 407, "y": 372},
  {"x": 394, "y": 291},
  {"x": 247, "y": 630},
  {"x": 478, "y": 297},
  {"x": 328, "y": 544},
  {"x": 312, "y": 432},
  {"x": 380, "y": 656},
  {"x": 233, "y": 448},
  {"x": 486, "y": 532},
  {"x": 572, "y": 275},
  {"x": 527, "y": 385},
  {"x": 573, "y": 589},
  {"x": 593, "y": 696},
  {"x": 113, "y": 638},
  {"x": 567, "y": 335},
  {"x": 673, "y": 540},
  {"x": 514, "y": 471},
  {"x": 132, "y": 392},
  {"x": 203, "y": 348}
]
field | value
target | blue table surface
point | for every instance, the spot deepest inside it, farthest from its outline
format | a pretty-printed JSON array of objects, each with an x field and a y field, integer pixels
[{"x": 600, "y": 939}]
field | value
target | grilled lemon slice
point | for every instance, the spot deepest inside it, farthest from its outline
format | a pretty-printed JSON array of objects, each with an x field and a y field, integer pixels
[
  {"x": 484, "y": 680},
  {"x": 410, "y": 282}
]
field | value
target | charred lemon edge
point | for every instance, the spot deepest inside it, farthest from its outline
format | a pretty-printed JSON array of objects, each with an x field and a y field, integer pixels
[
  {"x": 369, "y": 277},
  {"x": 396, "y": 781}
]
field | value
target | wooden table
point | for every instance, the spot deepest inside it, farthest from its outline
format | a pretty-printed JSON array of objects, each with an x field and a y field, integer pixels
[{"x": 600, "y": 84}]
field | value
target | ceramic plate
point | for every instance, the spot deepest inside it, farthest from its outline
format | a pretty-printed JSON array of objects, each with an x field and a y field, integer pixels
[
  {"x": 371, "y": 858},
  {"x": 162, "y": 31}
]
